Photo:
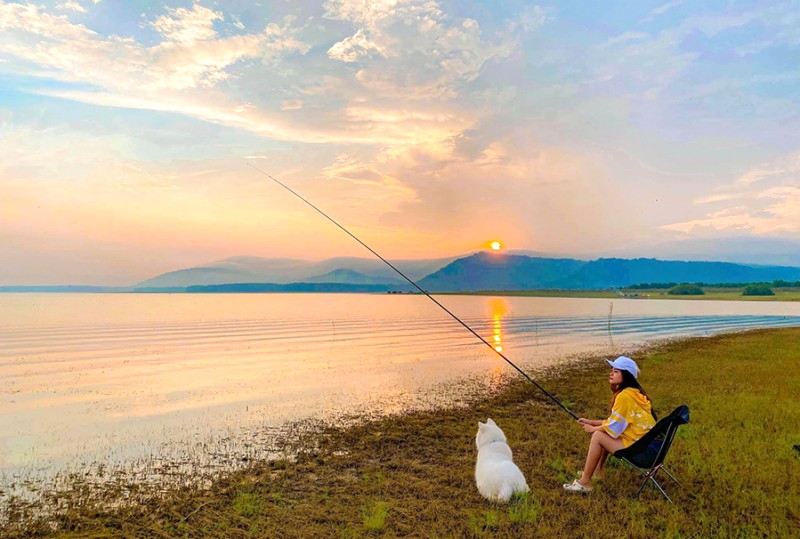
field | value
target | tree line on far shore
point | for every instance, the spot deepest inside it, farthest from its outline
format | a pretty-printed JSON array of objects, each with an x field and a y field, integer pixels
[
  {"x": 778, "y": 283},
  {"x": 696, "y": 289}
]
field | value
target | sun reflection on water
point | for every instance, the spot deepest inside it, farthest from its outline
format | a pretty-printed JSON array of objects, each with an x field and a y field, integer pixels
[{"x": 498, "y": 308}]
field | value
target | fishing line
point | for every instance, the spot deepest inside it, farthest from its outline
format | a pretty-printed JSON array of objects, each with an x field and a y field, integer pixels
[{"x": 415, "y": 285}]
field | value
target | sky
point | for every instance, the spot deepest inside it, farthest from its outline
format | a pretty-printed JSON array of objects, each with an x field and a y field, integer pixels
[{"x": 129, "y": 131}]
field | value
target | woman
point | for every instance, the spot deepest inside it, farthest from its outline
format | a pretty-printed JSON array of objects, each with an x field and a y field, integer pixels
[{"x": 631, "y": 417}]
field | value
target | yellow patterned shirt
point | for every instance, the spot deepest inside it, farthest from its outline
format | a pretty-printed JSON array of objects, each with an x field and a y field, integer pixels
[{"x": 631, "y": 417}]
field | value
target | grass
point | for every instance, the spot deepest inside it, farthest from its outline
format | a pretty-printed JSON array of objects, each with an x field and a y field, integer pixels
[
  {"x": 724, "y": 294},
  {"x": 740, "y": 474},
  {"x": 375, "y": 516},
  {"x": 247, "y": 504},
  {"x": 524, "y": 510},
  {"x": 610, "y": 294}
]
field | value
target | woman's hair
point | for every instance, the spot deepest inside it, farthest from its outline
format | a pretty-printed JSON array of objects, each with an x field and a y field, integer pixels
[{"x": 629, "y": 380}]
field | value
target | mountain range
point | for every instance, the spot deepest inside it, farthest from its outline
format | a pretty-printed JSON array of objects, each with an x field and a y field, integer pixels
[
  {"x": 247, "y": 269},
  {"x": 479, "y": 271},
  {"x": 489, "y": 271}
]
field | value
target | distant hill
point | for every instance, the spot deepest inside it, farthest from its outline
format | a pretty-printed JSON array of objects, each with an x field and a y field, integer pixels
[
  {"x": 492, "y": 271},
  {"x": 292, "y": 287},
  {"x": 65, "y": 289},
  {"x": 230, "y": 270},
  {"x": 286, "y": 270},
  {"x": 745, "y": 250},
  {"x": 619, "y": 272},
  {"x": 348, "y": 276}
]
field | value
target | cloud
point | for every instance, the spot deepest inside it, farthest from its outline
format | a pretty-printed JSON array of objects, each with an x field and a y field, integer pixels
[
  {"x": 282, "y": 40},
  {"x": 292, "y": 104},
  {"x": 355, "y": 47},
  {"x": 451, "y": 120},
  {"x": 626, "y": 37},
  {"x": 409, "y": 49},
  {"x": 509, "y": 188},
  {"x": 785, "y": 169},
  {"x": 767, "y": 203},
  {"x": 780, "y": 25},
  {"x": 71, "y": 5},
  {"x": 377, "y": 185},
  {"x": 191, "y": 54},
  {"x": 533, "y": 17},
  {"x": 370, "y": 13},
  {"x": 399, "y": 127},
  {"x": 187, "y": 26},
  {"x": 27, "y": 18},
  {"x": 649, "y": 63},
  {"x": 660, "y": 10},
  {"x": 184, "y": 73},
  {"x": 76, "y": 210},
  {"x": 133, "y": 178},
  {"x": 187, "y": 58},
  {"x": 722, "y": 197}
]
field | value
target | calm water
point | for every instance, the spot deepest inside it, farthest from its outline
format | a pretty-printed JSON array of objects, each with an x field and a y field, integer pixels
[{"x": 132, "y": 378}]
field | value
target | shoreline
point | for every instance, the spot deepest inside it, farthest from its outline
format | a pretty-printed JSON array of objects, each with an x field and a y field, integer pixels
[
  {"x": 629, "y": 294},
  {"x": 412, "y": 474},
  {"x": 624, "y": 294}
]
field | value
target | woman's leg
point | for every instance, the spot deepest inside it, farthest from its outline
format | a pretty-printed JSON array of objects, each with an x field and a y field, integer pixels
[
  {"x": 601, "y": 443},
  {"x": 598, "y": 471}
]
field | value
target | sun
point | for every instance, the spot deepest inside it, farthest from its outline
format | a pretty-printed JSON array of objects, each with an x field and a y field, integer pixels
[{"x": 496, "y": 245}]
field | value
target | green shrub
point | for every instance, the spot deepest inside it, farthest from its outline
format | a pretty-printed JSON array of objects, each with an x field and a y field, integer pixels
[
  {"x": 686, "y": 289},
  {"x": 524, "y": 509},
  {"x": 481, "y": 523},
  {"x": 375, "y": 516},
  {"x": 758, "y": 289},
  {"x": 247, "y": 504}
]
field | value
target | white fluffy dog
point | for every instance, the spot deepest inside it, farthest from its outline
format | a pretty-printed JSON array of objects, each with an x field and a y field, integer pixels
[{"x": 497, "y": 476}]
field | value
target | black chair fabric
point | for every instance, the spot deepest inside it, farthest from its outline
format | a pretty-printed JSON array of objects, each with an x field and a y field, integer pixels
[
  {"x": 649, "y": 450},
  {"x": 647, "y": 454}
]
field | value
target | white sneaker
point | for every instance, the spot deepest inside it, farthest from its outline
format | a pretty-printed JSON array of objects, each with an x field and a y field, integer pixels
[{"x": 575, "y": 486}]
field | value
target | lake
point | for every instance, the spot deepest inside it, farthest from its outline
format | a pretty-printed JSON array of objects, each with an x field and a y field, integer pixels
[{"x": 110, "y": 382}]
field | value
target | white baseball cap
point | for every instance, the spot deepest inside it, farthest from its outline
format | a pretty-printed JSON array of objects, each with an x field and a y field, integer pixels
[{"x": 624, "y": 363}]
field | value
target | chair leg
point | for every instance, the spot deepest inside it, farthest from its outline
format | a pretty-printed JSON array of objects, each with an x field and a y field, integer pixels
[
  {"x": 650, "y": 476},
  {"x": 661, "y": 490},
  {"x": 671, "y": 477},
  {"x": 647, "y": 476},
  {"x": 641, "y": 488}
]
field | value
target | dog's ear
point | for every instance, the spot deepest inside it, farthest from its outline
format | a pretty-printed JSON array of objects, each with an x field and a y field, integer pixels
[
  {"x": 481, "y": 425},
  {"x": 489, "y": 421}
]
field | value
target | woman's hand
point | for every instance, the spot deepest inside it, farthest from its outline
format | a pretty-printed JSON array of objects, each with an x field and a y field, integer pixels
[{"x": 590, "y": 425}]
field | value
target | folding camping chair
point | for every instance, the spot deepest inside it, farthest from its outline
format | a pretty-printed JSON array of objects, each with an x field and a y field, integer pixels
[{"x": 647, "y": 454}]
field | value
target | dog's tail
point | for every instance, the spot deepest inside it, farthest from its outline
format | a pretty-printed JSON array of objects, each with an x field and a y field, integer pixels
[
  {"x": 509, "y": 488},
  {"x": 506, "y": 491}
]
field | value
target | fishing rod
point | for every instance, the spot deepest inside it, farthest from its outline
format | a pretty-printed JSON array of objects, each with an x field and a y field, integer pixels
[{"x": 415, "y": 285}]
